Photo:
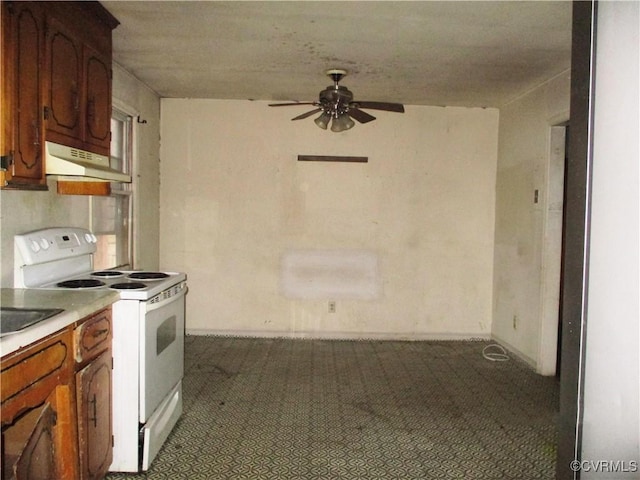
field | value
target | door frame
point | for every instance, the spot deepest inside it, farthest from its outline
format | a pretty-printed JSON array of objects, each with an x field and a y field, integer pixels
[
  {"x": 576, "y": 234},
  {"x": 552, "y": 252}
]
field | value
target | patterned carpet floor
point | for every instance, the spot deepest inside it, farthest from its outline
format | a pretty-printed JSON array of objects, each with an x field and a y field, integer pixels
[{"x": 282, "y": 409}]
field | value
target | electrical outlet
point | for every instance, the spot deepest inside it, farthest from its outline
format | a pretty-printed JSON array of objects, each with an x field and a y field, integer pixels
[
  {"x": 515, "y": 322},
  {"x": 332, "y": 306}
]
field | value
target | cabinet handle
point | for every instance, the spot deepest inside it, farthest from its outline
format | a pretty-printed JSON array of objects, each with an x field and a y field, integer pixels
[
  {"x": 37, "y": 133},
  {"x": 91, "y": 107},
  {"x": 94, "y": 419},
  {"x": 99, "y": 333},
  {"x": 76, "y": 99}
]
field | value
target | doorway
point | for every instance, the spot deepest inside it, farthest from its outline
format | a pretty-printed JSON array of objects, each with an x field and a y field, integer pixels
[{"x": 553, "y": 215}]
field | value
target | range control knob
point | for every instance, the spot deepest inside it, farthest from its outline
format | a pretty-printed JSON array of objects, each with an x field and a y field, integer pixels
[
  {"x": 44, "y": 243},
  {"x": 35, "y": 246}
]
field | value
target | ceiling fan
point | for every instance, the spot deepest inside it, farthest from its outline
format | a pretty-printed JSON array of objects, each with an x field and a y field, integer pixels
[{"x": 337, "y": 106}]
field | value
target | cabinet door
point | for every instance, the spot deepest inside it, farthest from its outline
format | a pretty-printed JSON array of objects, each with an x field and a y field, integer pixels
[
  {"x": 93, "y": 393},
  {"x": 37, "y": 460},
  {"x": 98, "y": 101},
  {"x": 40, "y": 443},
  {"x": 64, "y": 83},
  {"x": 23, "y": 133}
]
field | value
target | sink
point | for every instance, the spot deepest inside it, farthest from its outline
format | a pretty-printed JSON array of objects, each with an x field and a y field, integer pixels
[{"x": 13, "y": 320}]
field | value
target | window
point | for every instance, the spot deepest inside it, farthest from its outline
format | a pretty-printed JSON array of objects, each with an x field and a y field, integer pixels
[{"x": 111, "y": 215}]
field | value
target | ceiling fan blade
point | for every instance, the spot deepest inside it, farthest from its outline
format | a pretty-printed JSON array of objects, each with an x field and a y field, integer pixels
[
  {"x": 308, "y": 114},
  {"x": 291, "y": 104},
  {"x": 389, "y": 107},
  {"x": 360, "y": 116}
]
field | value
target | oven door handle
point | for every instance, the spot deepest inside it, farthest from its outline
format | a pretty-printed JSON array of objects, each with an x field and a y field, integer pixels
[{"x": 161, "y": 302}]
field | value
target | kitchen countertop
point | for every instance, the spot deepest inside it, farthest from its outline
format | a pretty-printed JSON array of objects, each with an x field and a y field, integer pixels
[{"x": 76, "y": 304}]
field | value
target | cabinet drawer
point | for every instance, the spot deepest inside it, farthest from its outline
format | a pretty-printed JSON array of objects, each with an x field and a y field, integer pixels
[
  {"x": 93, "y": 336},
  {"x": 31, "y": 374}
]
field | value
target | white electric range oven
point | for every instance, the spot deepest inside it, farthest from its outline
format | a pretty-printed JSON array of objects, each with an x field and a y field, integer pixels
[{"x": 148, "y": 335}]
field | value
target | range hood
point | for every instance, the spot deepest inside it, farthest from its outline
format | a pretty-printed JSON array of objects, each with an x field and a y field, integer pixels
[{"x": 73, "y": 164}]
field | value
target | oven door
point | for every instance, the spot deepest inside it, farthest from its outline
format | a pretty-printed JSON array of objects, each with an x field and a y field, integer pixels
[{"x": 162, "y": 347}]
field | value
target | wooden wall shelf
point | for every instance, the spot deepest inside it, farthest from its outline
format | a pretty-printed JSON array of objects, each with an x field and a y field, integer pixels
[{"x": 331, "y": 158}]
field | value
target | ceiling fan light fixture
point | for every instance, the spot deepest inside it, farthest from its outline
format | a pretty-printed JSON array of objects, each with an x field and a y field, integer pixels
[
  {"x": 323, "y": 120},
  {"x": 341, "y": 123},
  {"x": 337, "y": 106},
  {"x": 348, "y": 122}
]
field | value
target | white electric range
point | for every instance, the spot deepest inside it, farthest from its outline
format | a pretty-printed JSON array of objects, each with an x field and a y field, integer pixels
[{"x": 148, "y": 335}]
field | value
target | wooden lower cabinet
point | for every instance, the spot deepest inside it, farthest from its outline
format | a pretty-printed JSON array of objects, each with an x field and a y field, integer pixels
[
  {"x": 35, "y": 457},
  {"x": 93, "y": 394},
  {"x": 56, "y": 405},
  {"x": 38, "y": 411},
  {"x": 92, "y": 353}
]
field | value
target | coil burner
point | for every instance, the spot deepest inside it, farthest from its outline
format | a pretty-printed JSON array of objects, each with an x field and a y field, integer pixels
[
  {"x": 81, "y": 283},
  {"x": 148, "y": 276},
  {"x": 128, "y": 286}
]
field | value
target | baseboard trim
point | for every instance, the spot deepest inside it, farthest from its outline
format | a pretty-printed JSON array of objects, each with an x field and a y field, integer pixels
[
  {"x": 447, "y": 336},
  {"x": 525, "y": 358}
]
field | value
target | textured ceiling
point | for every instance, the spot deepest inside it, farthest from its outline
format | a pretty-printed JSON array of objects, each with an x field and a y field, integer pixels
[{"x": 453, "y": 53}]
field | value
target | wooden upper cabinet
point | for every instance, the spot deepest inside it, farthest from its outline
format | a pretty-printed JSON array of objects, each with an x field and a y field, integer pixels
[
  {"x": 63, "y": 95},
  {"x": 98, "y": 106},
  {"x": 78, "y": 96},
  {"x": 22, "y": 136},
  {"x": 56, "y": 84}
]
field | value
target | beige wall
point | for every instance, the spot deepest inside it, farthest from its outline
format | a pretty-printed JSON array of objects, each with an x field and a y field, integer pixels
[
  {"x": 522, "y": 288},
  {"x": 22, "y": 211},
  {"x": 403, "y": 243}
]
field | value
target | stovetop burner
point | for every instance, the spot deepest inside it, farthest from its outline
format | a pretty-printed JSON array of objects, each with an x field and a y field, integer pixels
[
  {"x": 127, "y": 286},
  {"x": 148, "y": 275},
  {"x": 67, "y": 263},
  {"x": 81, "y": 283},
  {"x": 107, "y": 274}
]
